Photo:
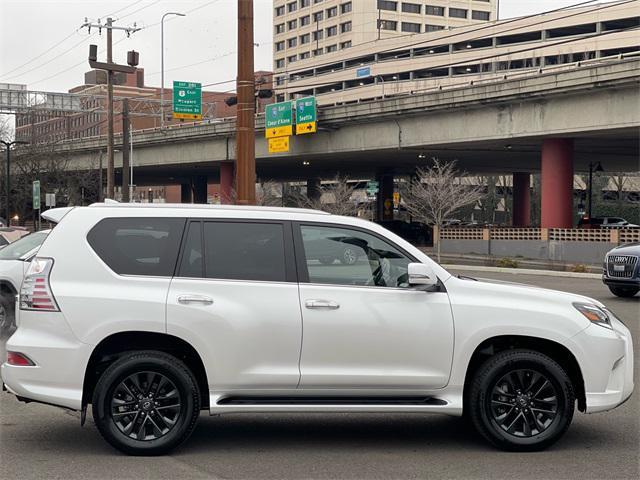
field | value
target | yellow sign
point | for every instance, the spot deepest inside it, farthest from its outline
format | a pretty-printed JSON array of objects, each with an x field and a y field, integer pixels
[
  {"x": 279, "y": 131},
  {"x": 396, "y": 199},
  {"x": 187, "y": 116},
  {"x": 279, "y": 144},
  {"x": 309, "y": 127}
]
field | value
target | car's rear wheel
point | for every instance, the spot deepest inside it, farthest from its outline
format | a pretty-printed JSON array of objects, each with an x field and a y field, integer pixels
[
  {"x": 146, "y": 403},
  {"x": 625, "y": 292},
  {"x": 521, "y": 400},
  {"x": 7, "y": 313}
]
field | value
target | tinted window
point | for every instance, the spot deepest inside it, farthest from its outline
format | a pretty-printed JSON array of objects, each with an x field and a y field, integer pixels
[
  {"x": 192, "y": 263},
  {"x": 22, "y": 246},
  {"x": 244, "y": 251},
  {"x": 342, "y": 256},
  {"x": 138, "y": 246}
]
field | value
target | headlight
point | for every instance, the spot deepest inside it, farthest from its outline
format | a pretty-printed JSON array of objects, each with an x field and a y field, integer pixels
[{"x": 594, "y": 314}]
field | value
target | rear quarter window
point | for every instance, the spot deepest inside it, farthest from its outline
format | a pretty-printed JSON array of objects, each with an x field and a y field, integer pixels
[{"x": 138, "y": 246}]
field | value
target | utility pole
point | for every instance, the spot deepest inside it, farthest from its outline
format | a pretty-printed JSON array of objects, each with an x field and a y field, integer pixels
[
  {"x": 110, "y": 68},
  {"x": 126, "y": 131},
  {"x": 7, "y": 194},
  {"x": 245, "y": 120}
]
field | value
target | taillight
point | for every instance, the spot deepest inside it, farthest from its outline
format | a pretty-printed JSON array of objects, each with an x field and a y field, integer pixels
[
  {"x": 19, "y": 359},
  {"x": 35, "y": 293}
]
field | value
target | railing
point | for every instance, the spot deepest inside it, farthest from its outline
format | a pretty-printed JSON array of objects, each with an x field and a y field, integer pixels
[
  {"x": 459, "y": 233},
  {"x": 609, "y": 235},
  {"x": 515, "y": 234}
]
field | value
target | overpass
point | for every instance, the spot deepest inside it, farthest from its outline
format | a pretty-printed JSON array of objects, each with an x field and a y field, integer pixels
[{"x": 554, "y": 121}]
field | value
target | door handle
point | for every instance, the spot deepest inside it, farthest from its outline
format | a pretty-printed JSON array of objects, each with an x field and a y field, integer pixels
[
  {"x": 326, "y": 304},
  {"x": 185, "y": 299}
]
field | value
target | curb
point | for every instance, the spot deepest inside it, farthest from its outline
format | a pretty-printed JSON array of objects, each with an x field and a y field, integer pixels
[{"x": 524, "y": 271}]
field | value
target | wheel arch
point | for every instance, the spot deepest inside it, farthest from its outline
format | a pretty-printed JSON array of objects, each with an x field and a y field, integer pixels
[
  {"x": 7, "y": 287},
  {"x": 551, "y": 348},
  {"x": 114, "y": 346}
]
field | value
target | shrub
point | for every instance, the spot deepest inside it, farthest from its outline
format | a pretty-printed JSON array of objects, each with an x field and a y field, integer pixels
[
  {"x": 579, "y": 268},
  {"x": 507, "y": 263}
]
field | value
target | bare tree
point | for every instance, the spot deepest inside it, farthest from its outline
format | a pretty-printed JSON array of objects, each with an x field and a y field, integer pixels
[
  {"x": 436, "y": 192},
  {"x": 268, "y": 194},
  {"x": 335, "y": 196}
]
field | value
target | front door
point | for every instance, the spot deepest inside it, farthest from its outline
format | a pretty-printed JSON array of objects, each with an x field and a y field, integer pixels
[
  {"x": 235, "y": 299},
  {"x": 363, "y": 326}
]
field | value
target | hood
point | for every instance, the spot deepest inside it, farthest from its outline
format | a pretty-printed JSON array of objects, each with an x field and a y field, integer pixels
[{"x": 627, "y": 249}]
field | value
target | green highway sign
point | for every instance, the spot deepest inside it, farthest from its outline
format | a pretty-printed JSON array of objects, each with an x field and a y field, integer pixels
[
  {"x": 278, "y": 118},
  {"x": 36, "y": 194},
  {"x": 187, "y": 100},
  {"x": 306, "y": 119}
]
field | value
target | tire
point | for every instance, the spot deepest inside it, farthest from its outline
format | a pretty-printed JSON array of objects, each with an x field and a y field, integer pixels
[
  {"x": 172, "y": 381},
  {"x": 326, "y": 260},
  {"x": 349, "y": 256},
  {"x": 7, "y": 313},
  {"x": 498, "y": 411},
  {"x": 624, "y": 292}
]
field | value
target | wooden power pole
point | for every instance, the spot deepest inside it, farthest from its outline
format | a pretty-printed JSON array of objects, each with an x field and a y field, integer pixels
[
  {"x": 245, "y": 120},
  {"x": 126, "y": 131}
]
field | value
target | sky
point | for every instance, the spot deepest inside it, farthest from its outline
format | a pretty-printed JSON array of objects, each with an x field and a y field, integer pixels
[{"x": 43, "y": 46}]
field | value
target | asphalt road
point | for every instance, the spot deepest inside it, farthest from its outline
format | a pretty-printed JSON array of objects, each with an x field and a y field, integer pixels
[{"x": 37, "y": 441}]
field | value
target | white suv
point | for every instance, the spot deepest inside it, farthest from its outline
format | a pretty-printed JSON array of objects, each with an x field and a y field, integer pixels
[{"x": 151, "y": 313}]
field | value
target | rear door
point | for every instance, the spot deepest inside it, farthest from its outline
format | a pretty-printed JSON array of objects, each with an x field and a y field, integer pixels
[{"x": 235, "y": 298}]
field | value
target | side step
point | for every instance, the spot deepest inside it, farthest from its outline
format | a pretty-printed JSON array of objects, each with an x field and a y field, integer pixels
[{"x": 334, "y": 401}]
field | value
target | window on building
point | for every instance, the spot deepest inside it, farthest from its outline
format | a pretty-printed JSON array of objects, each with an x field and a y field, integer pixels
[
  {"x": 316, "y": 1},
  {"x": 306, "y": 38},
  {"x": 318, "y": 35},
  {"x": 332, "y": 12},
  {"x": 346, "y": 7},
  {"x": 345, "y": 27},
  {"x": 411, "y": 7},
  {"x": 317, "y": 52},
  {"x": 292, "y": 58},
  {"x": 433, "y": 28},
  {"x": 292, "y": 42},
  {"x": 280, "y": 28},
  {"x": 410, "y": 27},
  {"x": 280, "y": 11},
  {"x": 292, "y": 7},
  {"x": 306, "y": 20},
  {"x": 279, "y": 46},
  {"x": 292, "y": 24},
  {"x": 318, "y": 16},
  {"x": 480, "y": 15},
  {"x": 432, "y": 10},
  {"x": 387, "y": 25},
  {"x": 280, "y": 63},
  {"x": 304, "y": 55},
  {"x": 332, "y": 31},
  {"x": 305, "y": 3},
  {"x": 457, "y": 12},
  {"x": 332, "y": 48},
  {"x": 344, "y": 45},
  {"x": 387, "y": 5}
]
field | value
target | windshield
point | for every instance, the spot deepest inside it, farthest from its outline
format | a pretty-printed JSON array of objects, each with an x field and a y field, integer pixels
[{"x": 20, "y": 247}]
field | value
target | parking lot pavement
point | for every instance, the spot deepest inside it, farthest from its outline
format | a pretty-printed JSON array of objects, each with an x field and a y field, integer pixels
[{"x": 37, "y": 441}]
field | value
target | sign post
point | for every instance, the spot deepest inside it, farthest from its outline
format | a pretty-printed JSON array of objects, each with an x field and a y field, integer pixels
[
  {"x": 306, "y": 117},
  {"x": 36, "y": 194},
  {"x": 187, "y": 100}
]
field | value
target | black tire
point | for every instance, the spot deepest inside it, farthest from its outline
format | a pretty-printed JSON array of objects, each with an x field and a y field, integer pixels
[
  {"x": 624, "y": 292},
  {"x": 179, "y": 386},
  {"x": 326, "y": 260},
  {"x": 501, "y": 414},
  {"x": 7, "y": 312}
]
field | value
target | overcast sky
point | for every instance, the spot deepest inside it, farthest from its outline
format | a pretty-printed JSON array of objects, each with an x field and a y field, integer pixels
[{"x": 206, "y": 37}]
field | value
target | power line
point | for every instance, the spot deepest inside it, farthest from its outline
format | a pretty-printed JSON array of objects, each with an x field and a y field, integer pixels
[{"x": 121, "y": 9}]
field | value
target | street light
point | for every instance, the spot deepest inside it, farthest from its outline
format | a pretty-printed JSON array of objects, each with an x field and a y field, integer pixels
[
  {"x": 8, "y": 146},
  {"x": 162, "y": 63},
  {"x": 598, "y": 168}
]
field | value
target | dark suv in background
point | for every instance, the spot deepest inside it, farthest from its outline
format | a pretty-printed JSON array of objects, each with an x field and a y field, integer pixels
[{"x": 621, "y": 272}]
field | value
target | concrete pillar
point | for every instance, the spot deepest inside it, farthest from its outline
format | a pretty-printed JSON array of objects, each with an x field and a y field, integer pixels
[
  {"x": 556, "y": 179},
  {"x": 313, "y": 189},
  {"x": 199, "y": 189},
  {"x": 185, "y": 193},
  {"x": 521, "y": 199},
  {"x": 226, "y": 182},
  {"x": 385, "y": 197}
]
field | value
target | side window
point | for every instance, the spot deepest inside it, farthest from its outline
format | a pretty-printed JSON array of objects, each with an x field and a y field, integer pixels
[
  {"x": 244, "y": 251},
  {"x": 192, "y": 263},
  {"x": 342, "y": 256},
  {"x": 138, "y": 246}
]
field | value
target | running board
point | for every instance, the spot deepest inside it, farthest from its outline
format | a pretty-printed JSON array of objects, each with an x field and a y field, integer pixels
[{"x": 331, "y": 401}]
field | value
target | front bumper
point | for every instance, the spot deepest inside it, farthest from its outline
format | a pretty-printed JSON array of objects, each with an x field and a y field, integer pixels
[
  {"x": 621, "y": 282},
  {"x": 606, "y": 361}
]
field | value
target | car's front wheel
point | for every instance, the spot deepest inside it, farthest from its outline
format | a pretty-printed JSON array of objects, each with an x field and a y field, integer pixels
[
  {"x": 146, "y": 403},
  {"x": 521, "y": 400},
  {"x": 625, "y": 292}
]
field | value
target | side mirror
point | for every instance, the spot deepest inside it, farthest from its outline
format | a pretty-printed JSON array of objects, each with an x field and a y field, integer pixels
[{"x": 421, "y": 274}]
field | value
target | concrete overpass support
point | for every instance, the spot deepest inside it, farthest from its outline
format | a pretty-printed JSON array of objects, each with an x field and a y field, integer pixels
[
  {"x": 521, "y": 199},
  {"x": 557, "y": 183},
  {"x": 313, "y": 189},
  {"x": 226, "y": 182},
  {"x": 385, "y": 197}
]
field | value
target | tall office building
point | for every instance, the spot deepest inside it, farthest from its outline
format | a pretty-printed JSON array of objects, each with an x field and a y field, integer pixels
[{"x": 304, "y": 29}]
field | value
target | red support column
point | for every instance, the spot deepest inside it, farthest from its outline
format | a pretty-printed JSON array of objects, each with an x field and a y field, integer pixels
[
  {"x": 557, "y": 183},
  {"x": 521, "y": 199},
  {"x": 226, "y": 183}
]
